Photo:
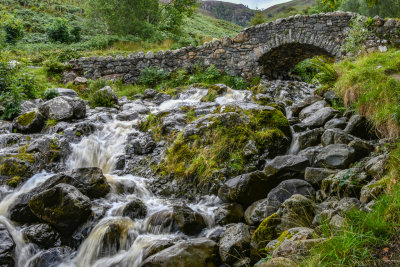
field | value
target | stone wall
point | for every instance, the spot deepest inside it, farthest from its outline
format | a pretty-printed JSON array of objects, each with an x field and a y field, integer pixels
[{"x": 269, "y": 49}]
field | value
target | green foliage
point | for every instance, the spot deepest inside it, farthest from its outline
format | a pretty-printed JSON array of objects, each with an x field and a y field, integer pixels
[
  {"x": 259, "y": 18},
  {"x": 58, "y": 31},
  {"x": 12, "y": 27},
  {"x": 53, "y": 68},
  {"x": 151, "y": 76},
  {"x": 357, "y": 35},
  {"x": 305, "y": 70},
  {"x": 50, "y": 94}
]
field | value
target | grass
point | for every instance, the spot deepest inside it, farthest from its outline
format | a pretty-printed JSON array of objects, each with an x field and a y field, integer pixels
[{"x": 370, "y": 85}]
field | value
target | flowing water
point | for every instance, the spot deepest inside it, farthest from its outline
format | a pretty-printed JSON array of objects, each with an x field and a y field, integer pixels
[{"x": 133, "y": 237}]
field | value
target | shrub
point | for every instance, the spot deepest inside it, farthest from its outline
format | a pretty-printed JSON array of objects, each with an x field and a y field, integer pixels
[
  {"x": 152, "y": 76},
  {"x": 58, "y": 31},
  {"x": 50, "y": 94},
  {"x": 11, "y": 101},
  {"x": 12, "y": 27},
  {"x": 53, "y": 67},
  {"x": 357, "y": 35}
]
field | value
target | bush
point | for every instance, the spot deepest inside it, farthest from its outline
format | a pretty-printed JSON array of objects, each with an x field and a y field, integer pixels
[
  {"x": 58, "y": 31},
  {"x": 53, "y": 67},
  {"x": 50, "y": 94},
  {"x": 357, "y": 35},
  {"x": 12, "y": 28},
  {"x": 152, "y": 76}
]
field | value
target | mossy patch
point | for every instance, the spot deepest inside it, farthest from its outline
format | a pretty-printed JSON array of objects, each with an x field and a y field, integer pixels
[
  {"x": 26, "y": 119},
  {"x": 265, "y": 233},
  {"x": 17, "y": 165},
  {"x": 15, "y": 181},
  {"x": 221, "y": 142}
]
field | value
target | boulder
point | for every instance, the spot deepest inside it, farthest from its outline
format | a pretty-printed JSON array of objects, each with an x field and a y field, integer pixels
[
  {"x": 135, "y": 209},
  {"x": 195, "y": 253},
  {"x": 336, "y": 157},
  {"x": 318, "y": 119},
  {"x": 286, "y": 190},
  {"x": 296, "y": 108},
  {"x": 140, "y": 143},
  {"x": 173, "y": 122},
  {"x": 310, "y": 153},
  {"x": 309, "y": 138},
  {"x": 137, "y": 107},
  {"x": 63, "y": 206},
  {"x": 66, "y": 92},
  {"x": 360, "y": 126},
  {"x": 31, "y": 122},
  {"x": 336, "y": 136},
  {"x": 42, "y": 234},
  {"x": 286, "y": 167},
  {"x": 278, "y": 262},
  {"x": 256, "y": 212},
  {"x": 160, "y": 98},
  {"x": 308, "y": 111},
  {"x": 149, "y": 93},
  {"x": 7, "y": 246},
  {"x": 127, "y": 115},
  {"x": 108, "y": 94},
  {"x": 315, "y": 176},
  {"x": 265, "y": 232},
  {"x": 296, "y": 249},
  {"x": 229, "y": 213},
  {"x": 376, "y": 166},
  {"x": 235, "y": 243},
  {"x": 90, "y": 181},
  {"x": 80, "y": 80},
  {"x": 188, "y": 221},
  {"x": 50, "y": 258},
  {"x": 297, "y": 211},
  {"x": 373, "y": 190},
  {"x": 337, "y": 123},
  {"x": 362, "y": 148},
  {"x": 69, "y": 77},
  {"x": 63, "y": 108},
  {"x": 157, "y": 246}
]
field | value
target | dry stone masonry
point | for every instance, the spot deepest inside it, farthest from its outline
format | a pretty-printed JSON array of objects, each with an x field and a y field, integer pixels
[{"x": 270, "y": 49}]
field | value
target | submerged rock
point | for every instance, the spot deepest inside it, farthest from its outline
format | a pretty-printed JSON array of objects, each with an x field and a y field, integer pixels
[
  {"x": 7, "y": 246},
  {"x": 50, "y": 258},
  {"x": 135, "y": 209}
]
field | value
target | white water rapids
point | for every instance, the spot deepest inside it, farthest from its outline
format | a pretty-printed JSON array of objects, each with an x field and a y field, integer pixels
[{"x": 101, "y": 149}]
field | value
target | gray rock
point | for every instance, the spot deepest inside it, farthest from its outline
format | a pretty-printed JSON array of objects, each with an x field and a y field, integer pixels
[
  {"x": 149, "y": 93},
  {"x": 80, "y": 80},
  {"x": 31, "y": 122},
  {"x": 309, "y": 138},
  {"x": 138, "y": 107},
  {"x": 69, "y": 77},
  {"x": 43, "y": 235},
  {"x": 160, "y": 98},
  {"x": 296, "y": 108},
  {"x": 7, "y": 247},
  {"x": 339, "y": 123},
  {"x": 173, "y": 122},
  {"x": 278, "y": 262},
  {"x": 336, "y": 136},
  {"x": 308, "y": 111},
  {"x": 108, "y": 93},
  {"x": 256, "y": 212},
  {"x": 310, "y": 153},
  {"x": 66, "y": 92},
  {"x": 318, "y": 119},
  {"x": 376, "y": 166},
  {"x": 229, "y": 213},
  {"x": 127, "y": 115},
  {"x": 50, "y": 258},
  {"x": 336, "y": 157},
  {"x": 63, "y": 206},
  {"x": 287, "y": 167},
  {"x": 316, "y": 175},
  {"x": 297, "y": 211},
  {"x": 140, "y": 143},
  {"x": 188, "y": 221},
  {"x": 235, "y": 243},
  {"x": 195, "y": 253},
  {"x": 63, "y": 108},
  {"x": 373, "y": 190}
]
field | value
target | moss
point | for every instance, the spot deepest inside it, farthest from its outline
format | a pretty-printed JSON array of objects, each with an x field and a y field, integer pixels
[
  {"x": 79, "y": 134},
  {"x": 266, "y": 231},
  {"x": 50, "y": 123},
  {"x": 14, "y": 181},
  {"x": 26, "y": 119},
  {"x": 17, "y": 165}
]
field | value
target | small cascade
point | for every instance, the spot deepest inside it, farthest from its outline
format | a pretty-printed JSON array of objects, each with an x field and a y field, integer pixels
[
  {"x": 232, "y": 96},
  {"x": 188, "y": 98}
]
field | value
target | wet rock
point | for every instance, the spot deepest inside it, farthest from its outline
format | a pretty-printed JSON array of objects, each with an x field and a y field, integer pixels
[
  {"x": 43, "y": 235},
  {"x": 50, "y": 258},
  {"x": 318, "y": 119},
  {"x": 158, "y": 246},
  {"x": 161, "y": 98},
  {"x": 336, "y": 136},
  {"x": 246, "y": 188},
  {"x": 135, "y": 209},
  {"x": 286, "y": 167},
  {"x": 339, "y": 123},
  {"x": 309, "y": 138},
  {"x": 90, "y": 181},
  {"x": 173, "y": 122},
  {"x": 360, "y": 126},
  {"x": 127, "y": 115},
  {"x": 188, "y": 221},
  {"x": 31, "y": 122},
  {"x": 336, "y": 157},
  {"x": 296, "y": 108},
  {"x": 256, "y": 212},
  {"x": 216, "y": 233},
  {"x": 149, "y": 93},
  {"x": 7, "y": 247},
  {"x": 66, "y": 92},
  {"x": 108, "y": 94},
  {"x": 308, "y": 111},
  {"x": 235, "y": 243},
  {"x": 19, "y": 211},
  {"x": 315, "y": 176},
  {"x": 337, "y": 221},
  {"x": 195, "y": 253},
  {"x": 63, "y": 108},
  {"x": 296, "y": 211},
  {"x": 141, "y": 143},
  {"x": 310, "y": 153},
  {"x": 278, "y": 262},
  {"x": 63, "y": 206},
  {"x": 137, "y": 107},
  {"x": 229, "y": 213}
]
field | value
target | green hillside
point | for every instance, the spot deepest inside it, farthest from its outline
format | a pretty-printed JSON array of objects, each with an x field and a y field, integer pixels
[{"x": 288, "y": 9}]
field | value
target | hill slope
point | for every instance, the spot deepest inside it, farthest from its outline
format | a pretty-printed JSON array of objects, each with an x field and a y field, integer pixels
[{"x": 287, "y": 9}]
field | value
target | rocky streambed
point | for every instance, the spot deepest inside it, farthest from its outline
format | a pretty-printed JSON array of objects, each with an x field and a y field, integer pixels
[{"x": 210, "y": 177}]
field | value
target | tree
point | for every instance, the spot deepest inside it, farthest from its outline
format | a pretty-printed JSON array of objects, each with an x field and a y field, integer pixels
[
  {"x": 259, "y": 18},
  {"x": 140, "y": 17}
]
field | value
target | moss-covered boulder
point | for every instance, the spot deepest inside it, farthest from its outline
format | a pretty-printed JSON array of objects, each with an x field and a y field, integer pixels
[
  {"x": 31, "y": 122},
  {"x": 63, "y": 206},
  {"x": 16, "y": 167},
  {"x": 266, "y": 232},
  {"x": 212, "y": 147}
]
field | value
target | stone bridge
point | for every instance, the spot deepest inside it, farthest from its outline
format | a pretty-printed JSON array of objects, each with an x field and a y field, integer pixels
[{"x": 270, "y": 49}]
